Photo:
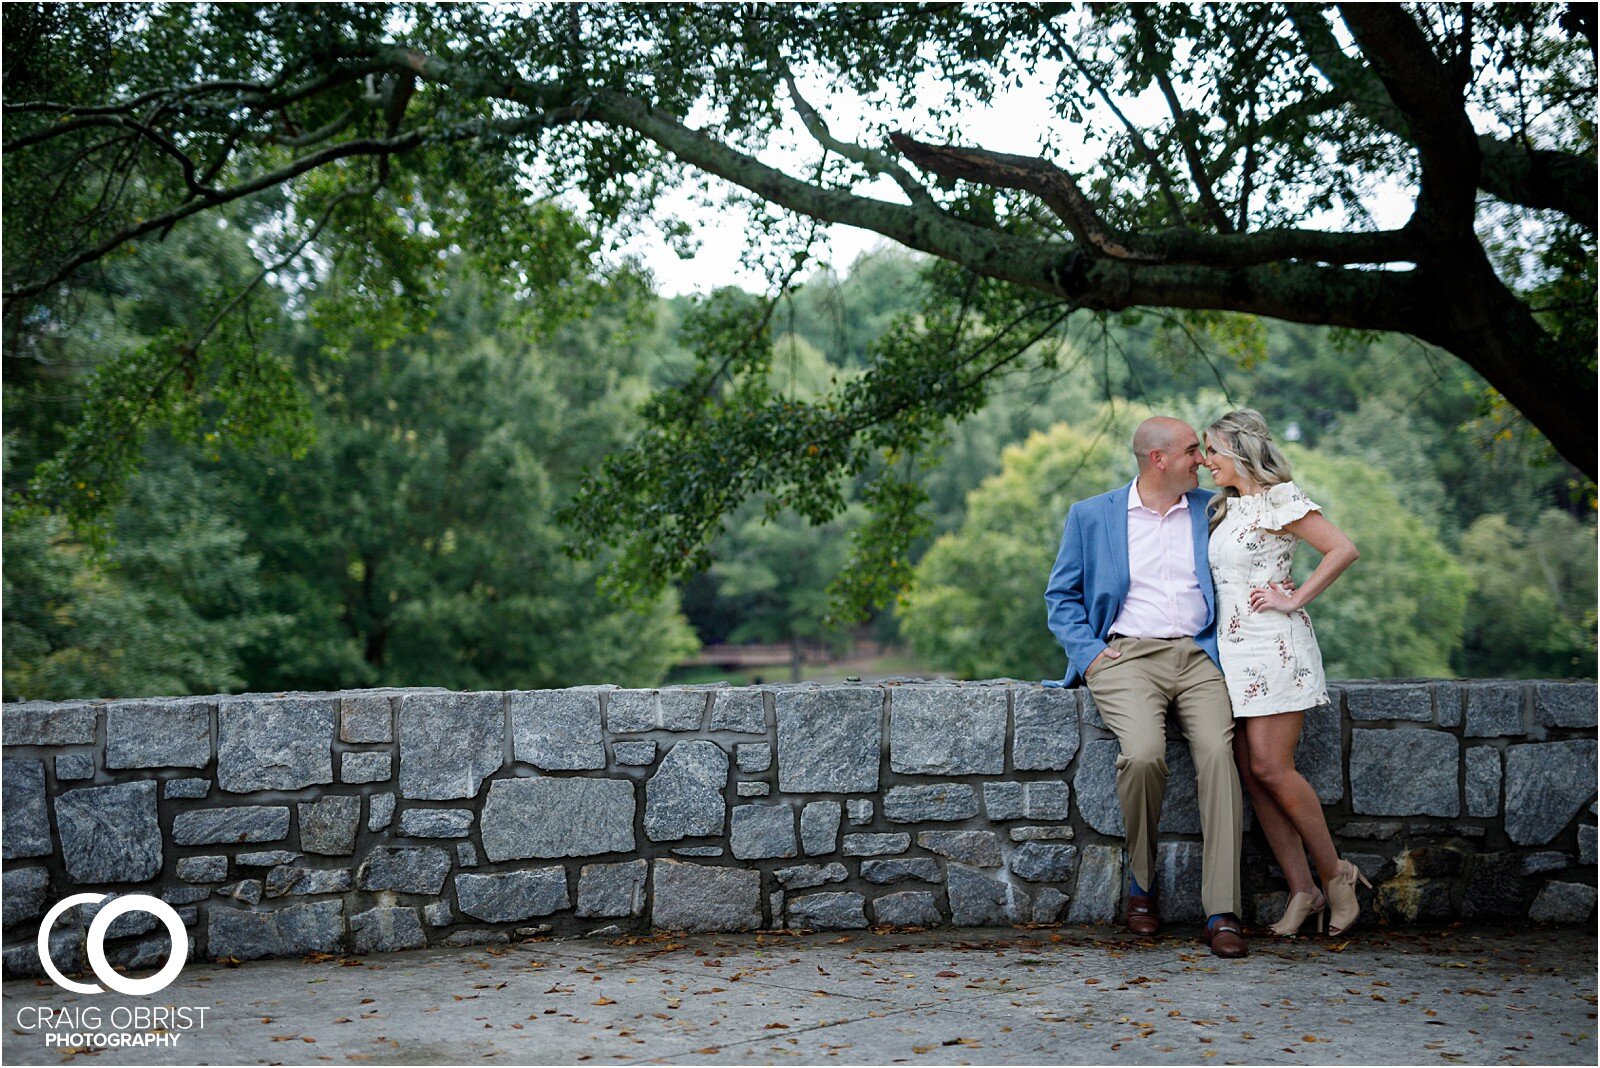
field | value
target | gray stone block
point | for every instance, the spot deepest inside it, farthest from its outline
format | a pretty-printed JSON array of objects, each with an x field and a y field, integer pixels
[
  {"x": 1494, "y": 709},
  {"x": 819, "y": 827},
  {"x": 935, "y": 801},
  {"x": 27, "y": 821},
  {"x": 565, "y": 817},
  {"x": 828, "y": 912},
  {"x": 436, "y": 822},
  {"x": 859, "y": 811},
  {"x": 1098, "y": 894},
  {"x": 1045, "y": 736},
  {"x": 66, "y": 950},
  {"x": 449, "y": 743},
  {"x": 1563, "y": 903},
  {"x": 947, "y": 730},
  {"x": 1546, "y": 784},
  {"x": 1046, "y": 800},
  {"x": 1040, "y": 834},
  {"x": 437, "y": 914},
  {"x": 753, "y": 756},
  {"x": 634, "y": 754},
  {"x": 1539, "y": 863},
  {"x": 1483, "y": 781},
  {"x": 752, "y": 789},
  {"x": 366, "y": 717},
  {"x": 1398, "y": 702},
  {"x": 1564, "y": 704},
  {"x": 875, "y": 845},
  {"x": 1044, "y": 862},
  {"x": 981, "y": 849},
  {"x": 557, "y": 730},
  {"x": 513, "y": 895},
  {"x": 189, "y": 789},
  {"x": 698, "y": 897},
  {"x": 742, "y": 710},
  {"x": 829, "y": 739},
  {"x": 1095, "y": 786},
  {"x": 266, "y": 858},
  {"x": 48, "y": 723},
  {"x": 302, "y": 881},
  {"x": 909, "y": 908},
  {"x": 632, "y": 711},
  {"x": 1447, "y": 701},
  {"x": 186, "y": 896},
  {"x": 24, "y": 894},
  {"x": 1320, "y": 754},
  {"x": 365, "y": 767},
  {"x": 386, "y": 930},
  {"x": 245, "y": 890},
  {"x": 976, "y": 900},
  {"x": 274, "y": 744},
  {"x": 158, "y": 734},
  {"x": 775, "y": 907},
  {"x": 762, "y": 831},
  {"x": 1404, "y": 773},
  {"x": 805, "y": 876},
  {"x": 74, "y": 767},
  {"x": 1178, "y": 882},
  {"x": 612, "y": 889},
  {"x": 315, "y": 927},
  {"x": 685, "y": 797},
  {"x": 1002, "y": 800},
  {"x": 1586, "y": 843},
  {"x": 328, "y": 826},
  {"x": 466, "y": 855},
  {"x": 110, "y": 834},
  {"x": 901, "y": 869},
  {"x": 1049, "y": 904},
  {"x": 419, "y": 870},
  {"x": 1089, "y": 712},
  {"x": 477, "y": 938},
  {"x": 380, "y": 810},
  {"x": 699, "y": 851},
  {"x": 211, "y": 869}
]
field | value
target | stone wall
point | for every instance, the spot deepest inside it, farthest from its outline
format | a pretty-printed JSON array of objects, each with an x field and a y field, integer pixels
[{"x": 386, "y": 819}]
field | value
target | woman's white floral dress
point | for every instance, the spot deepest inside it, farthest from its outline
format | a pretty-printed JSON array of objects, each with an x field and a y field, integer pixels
[{"x": 1269, "y": 658}]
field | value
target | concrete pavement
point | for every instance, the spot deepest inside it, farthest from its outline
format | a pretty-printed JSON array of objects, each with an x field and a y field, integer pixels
[{"x": 1071, "y": 995}]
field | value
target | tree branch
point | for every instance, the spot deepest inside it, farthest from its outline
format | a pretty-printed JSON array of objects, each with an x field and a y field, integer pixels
[{"x": 874, "y": 162}]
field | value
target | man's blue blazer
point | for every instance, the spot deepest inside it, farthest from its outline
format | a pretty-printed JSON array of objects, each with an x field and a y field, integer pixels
[{"x": 1090, "y": 579}]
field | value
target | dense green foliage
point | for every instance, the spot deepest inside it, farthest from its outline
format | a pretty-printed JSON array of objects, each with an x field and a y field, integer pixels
[{"x": 365, "y": 142}]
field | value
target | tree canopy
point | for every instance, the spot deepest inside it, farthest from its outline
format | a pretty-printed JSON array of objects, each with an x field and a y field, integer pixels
[{"x": 1200, "y": 158}]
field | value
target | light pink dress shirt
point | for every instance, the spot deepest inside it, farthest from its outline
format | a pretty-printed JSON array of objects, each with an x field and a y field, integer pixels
[{"x": 1164, "y": 598}]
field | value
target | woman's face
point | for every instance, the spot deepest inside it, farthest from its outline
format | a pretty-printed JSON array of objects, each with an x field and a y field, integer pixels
[{"x": 1223, "y": 470}]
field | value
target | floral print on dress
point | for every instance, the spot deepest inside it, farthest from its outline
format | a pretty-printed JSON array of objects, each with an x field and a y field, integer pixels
[{"x": 1270, "y": 659}]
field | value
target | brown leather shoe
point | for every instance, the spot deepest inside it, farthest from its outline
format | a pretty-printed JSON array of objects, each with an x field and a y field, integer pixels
[
  {"x": 1226, "y": 939},
  {"x": 1142, "y": 916}
]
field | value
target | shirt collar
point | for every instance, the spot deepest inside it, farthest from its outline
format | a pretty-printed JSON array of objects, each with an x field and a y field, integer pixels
[{"x": 1134, "y": 503}]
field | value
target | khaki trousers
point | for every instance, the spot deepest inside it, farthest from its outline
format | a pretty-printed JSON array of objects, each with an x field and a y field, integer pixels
[{"x": 1134, "y": 694}]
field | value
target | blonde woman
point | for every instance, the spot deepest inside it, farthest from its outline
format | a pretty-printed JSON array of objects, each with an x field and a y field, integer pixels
[{"x": 1269, "y": 653}]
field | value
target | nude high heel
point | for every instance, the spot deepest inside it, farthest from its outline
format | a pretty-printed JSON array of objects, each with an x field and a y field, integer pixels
[
  {"x": 1342, "y": 898},
  {"x": 1301, "y": 906}
]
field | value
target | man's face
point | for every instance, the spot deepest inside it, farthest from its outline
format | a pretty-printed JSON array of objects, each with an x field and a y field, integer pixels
[{"x": 1181, "y": 462}]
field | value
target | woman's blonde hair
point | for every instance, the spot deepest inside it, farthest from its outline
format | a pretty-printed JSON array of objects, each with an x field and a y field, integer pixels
[{"x": 1243, "y": 437}]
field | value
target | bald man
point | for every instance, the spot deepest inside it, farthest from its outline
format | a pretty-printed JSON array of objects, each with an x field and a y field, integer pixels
[{"x": 1130, "y": 600}]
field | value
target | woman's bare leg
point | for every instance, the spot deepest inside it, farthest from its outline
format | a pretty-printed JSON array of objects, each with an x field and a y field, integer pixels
[
  {"x": 1281, "y": 835},
  {"x": 1271, "y": 742}
]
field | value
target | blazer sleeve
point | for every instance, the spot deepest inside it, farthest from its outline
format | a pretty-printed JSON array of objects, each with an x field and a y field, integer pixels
[{"x": 1067, "y": 599}]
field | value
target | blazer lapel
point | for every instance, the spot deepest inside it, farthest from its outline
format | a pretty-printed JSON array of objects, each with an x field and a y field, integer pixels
[
  {"x": 1202, "y": 545},
  {"x": 1121, "y": 574}
]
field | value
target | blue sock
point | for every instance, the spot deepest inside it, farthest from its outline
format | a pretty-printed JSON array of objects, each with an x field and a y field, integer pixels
[
  {"x": 1134, "y": 888},
  {"x": 1213, "y": 920}
]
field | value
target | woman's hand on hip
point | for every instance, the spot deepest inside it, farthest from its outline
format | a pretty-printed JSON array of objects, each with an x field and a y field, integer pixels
[{"x": 1271, "y": 598}]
